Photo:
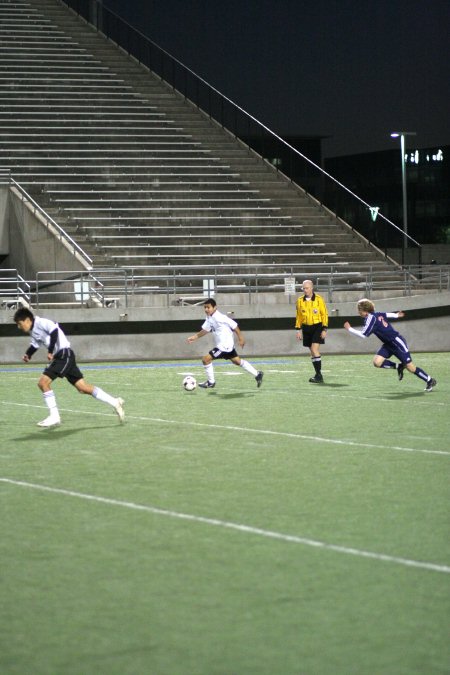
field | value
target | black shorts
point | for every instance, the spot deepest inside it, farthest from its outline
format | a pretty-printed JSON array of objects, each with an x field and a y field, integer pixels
[
  {"x": 217, "y": 354},
  {"x": 312, "y": 334},
  {"x": 64, "y": 365}
]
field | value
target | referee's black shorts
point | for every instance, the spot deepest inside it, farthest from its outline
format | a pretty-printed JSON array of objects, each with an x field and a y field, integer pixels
[
  {"x": 311, "y": 334},
  {"x": 64, "y": 365}
]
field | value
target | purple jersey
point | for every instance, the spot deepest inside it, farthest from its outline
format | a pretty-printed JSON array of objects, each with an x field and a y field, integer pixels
[{"x": 378, "y": 324}]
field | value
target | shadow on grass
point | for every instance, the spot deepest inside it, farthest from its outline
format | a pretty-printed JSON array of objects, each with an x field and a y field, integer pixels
[
  {"x": 330, "y": 385},
  {"x": 56, "y": 433},
  {"x": 237, "y": 394},
  {"x": 401, "y": 396}
]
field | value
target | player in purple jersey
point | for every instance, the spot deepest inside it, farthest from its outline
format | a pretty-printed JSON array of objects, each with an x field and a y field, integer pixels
[{"x": 394, "y": 344}]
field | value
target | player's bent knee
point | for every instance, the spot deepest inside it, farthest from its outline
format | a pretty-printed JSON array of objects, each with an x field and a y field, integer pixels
[
  {"x": 82, "y": 387},
  {"x": 43, "y": 383}
]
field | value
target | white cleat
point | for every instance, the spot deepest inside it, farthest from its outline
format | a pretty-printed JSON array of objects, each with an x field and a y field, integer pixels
[
  {"x": 50, "y": 421},
  {"x": 119, "y": 409}
]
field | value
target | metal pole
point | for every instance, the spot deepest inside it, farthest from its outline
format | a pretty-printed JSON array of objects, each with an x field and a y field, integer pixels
[
  {"x": 405, "y": 201},
  {"x": 401, "y": 135}
]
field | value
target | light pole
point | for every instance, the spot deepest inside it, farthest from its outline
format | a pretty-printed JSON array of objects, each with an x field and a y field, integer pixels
[{"x": 402, "y": 134}]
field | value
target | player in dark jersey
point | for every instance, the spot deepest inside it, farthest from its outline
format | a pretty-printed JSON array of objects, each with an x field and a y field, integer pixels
[{"x": 394, "y": 344}]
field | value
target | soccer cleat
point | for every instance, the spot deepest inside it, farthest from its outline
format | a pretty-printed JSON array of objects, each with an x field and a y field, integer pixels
[
  {"x": 259, "y": 378},
  {"x": 400, "y": 368},
  {"x": 50, "y": 421},
  {"x": 430, "y": 384},
  {"x": 317, "y": 379},
  {"x": 119, "y": 409},
  {"x": 207, "y": 385}
]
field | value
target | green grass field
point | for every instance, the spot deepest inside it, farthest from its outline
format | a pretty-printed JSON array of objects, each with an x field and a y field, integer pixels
[{"x": 292, "y": 529}]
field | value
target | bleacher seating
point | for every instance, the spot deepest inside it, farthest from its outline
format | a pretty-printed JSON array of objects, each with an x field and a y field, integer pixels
[{"x": 135, "y": 174}]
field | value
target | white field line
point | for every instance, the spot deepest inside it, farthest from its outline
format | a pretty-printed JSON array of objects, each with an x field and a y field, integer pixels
[
  {"x": 286, "y": 434},
  {"x": 226, "y": 427},
  {"x": 269, "y": 534}
]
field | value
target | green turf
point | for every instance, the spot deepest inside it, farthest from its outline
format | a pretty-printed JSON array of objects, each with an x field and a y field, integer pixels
[{"x": 93, "y": 587}]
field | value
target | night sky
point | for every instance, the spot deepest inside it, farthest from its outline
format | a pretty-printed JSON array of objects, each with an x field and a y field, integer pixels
[{"x": 354, "y": 70}]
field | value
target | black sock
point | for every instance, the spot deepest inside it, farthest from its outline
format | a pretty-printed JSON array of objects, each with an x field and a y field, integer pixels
[{"x": 422, "y": 374}]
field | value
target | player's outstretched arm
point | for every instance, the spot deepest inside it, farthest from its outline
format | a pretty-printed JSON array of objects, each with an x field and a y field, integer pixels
[{"x": 196, "y": 336}]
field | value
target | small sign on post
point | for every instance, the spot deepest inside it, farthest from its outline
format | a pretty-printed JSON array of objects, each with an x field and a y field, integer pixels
[
  {"x": 289, "y": 285},
  {"x": 208, "y": 288}
]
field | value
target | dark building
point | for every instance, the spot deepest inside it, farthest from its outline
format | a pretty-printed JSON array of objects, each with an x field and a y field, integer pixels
[{"x": 377, "y": 178}]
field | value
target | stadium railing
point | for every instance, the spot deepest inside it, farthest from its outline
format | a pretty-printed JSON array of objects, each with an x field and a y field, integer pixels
[
  {"x": 14, "y": 290},
  {"x": 153, "y": 286}
]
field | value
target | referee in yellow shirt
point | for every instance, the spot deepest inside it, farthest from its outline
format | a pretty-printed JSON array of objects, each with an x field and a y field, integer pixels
[{"x": 312, "y": 324}]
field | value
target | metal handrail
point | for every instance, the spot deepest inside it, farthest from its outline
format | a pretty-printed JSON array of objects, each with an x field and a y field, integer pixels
[
  {"x": 78, "y": 287},
  {"x": 14, "y": 288},
  {"x": 342, "y": 202},
  {"x": 103, "y": 287}
]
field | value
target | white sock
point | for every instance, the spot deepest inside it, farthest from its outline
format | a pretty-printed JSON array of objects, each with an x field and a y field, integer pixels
[
  {"x": 50, "y": 401},
  {"x": 210, "y": 372},
  {"x": 101, "y": 395},
  {"x": 248, "y": 367}
]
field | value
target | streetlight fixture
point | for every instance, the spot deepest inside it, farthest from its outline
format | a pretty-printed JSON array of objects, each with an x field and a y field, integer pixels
[{"x": 401, "y": 135}]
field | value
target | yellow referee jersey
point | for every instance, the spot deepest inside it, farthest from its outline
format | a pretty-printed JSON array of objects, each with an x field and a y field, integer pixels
[{"x": 311, "y": 311}]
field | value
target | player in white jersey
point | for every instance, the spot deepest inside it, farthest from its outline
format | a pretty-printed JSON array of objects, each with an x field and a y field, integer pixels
[
  {"x": 47, "y": 333},
  {"x": 223, "y": 329}
]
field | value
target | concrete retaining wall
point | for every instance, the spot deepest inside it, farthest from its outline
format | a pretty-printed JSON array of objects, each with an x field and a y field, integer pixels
[
  {"x": 30, "y": 244},
  {"x": 158, "y": 333}
]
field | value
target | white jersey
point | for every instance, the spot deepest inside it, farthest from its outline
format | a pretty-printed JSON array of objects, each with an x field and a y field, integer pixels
[
  {"x": 40, "y": 334},
  {"x": 222, "y": 328}
]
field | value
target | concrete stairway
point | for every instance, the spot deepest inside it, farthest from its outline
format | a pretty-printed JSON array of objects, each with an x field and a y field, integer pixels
[{"x": 137, "y": 175}]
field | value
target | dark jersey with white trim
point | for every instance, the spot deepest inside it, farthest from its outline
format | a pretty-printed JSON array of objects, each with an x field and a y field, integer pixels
[{"x": 378, "y": 324}]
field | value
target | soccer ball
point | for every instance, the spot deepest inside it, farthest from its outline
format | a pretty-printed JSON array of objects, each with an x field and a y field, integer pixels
[{"x": 189, "y": 383}]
